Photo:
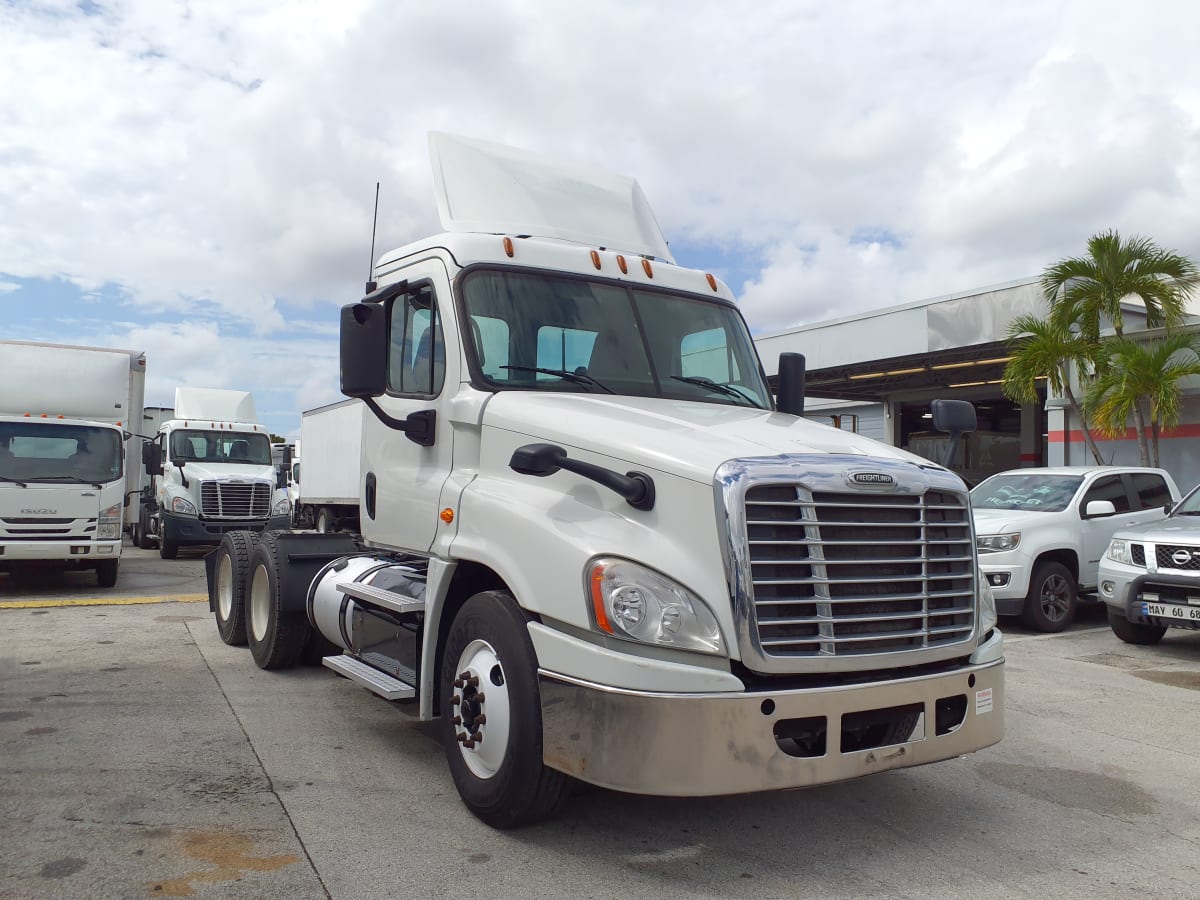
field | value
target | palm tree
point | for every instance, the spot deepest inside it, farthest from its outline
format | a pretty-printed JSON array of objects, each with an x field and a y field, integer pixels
[
  {"x": 1046, "y": 349},
  {"x": 1087, "y": 290},
  {"x": 1143, "y": 376}
]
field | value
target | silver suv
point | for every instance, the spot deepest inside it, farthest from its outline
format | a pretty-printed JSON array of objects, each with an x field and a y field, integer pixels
[
  {"x": 1041, "y": 532},
  {"x": 1150, "y": 575}
]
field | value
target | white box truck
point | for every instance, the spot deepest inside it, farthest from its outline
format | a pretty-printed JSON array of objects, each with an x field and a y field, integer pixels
[
  {"x": 594, "y": 546},
  {"x": 331, "y": 436},
  {"x": 67, "y": 463},
  {"x": 210, "y": 471}
]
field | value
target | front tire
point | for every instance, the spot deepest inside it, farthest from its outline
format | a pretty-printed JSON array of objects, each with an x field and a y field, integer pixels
[
  {"x": 1051, "y": 603},
  {"x": 325, "y": 521},
  {"x": 232, "y": 571},
  {"x": 1134, "y": 632},
  {"x": 276, "y": 638},
  {"x": 491, "y": 715},
  {"x": 167, "y": 548},
  {"x": 106, "y": 573}
]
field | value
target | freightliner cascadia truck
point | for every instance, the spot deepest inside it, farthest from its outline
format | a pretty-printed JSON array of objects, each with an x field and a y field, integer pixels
[
  {"x": 210, "y": 471},
  {"x": 593, "y": 544}
]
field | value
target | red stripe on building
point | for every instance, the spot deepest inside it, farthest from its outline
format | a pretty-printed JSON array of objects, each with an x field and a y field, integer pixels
[{"x": 1180, "y": 431}]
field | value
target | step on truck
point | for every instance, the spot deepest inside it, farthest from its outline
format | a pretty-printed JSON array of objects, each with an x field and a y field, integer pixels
[
  {"x": 210, "y": 471},
  {"x": 68, "y": 464},
  {"x": 595, "y": 547}
]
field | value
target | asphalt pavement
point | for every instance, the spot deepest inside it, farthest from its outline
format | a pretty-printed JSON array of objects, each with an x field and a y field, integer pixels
[{"x": 142, "y": 757}]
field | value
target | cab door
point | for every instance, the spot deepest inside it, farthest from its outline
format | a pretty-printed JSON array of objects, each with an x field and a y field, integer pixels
[{"x": 399, "y": 480}]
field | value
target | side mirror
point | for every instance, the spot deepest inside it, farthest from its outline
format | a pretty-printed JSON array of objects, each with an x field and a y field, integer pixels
[
  {"x": 1097, "y": 509},
  {"x": 152, "y": 458},
  {"x": 364, "y": 349},
  {"x": 956, "y": 418},
  {"x": 790, "y": 398}
]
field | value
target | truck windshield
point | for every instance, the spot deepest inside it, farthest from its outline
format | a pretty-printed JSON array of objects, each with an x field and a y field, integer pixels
[
  {"x": 1041, "y": 493},
  {"x": 220, "y": 447},
  {"x": 534, "y": 331},
  {"x": 38, "y": 450}
]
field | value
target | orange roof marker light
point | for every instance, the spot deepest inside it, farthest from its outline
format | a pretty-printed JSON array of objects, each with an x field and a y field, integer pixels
[
  {"x": 622, "y": 265},
  {"x": 649, "y": 269},
  {"x": 595, "y": 259},
  {"x": 447, "y": 515},
  {"x": 508, "y": 247},
  {"x": 712, "y": 282}
]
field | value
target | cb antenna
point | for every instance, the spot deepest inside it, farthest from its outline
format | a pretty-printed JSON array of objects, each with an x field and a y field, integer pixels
[{"x": 371, "y": 285}]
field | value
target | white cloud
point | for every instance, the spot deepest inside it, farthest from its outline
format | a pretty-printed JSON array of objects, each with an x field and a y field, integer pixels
[{"x": 225, "y": 153}]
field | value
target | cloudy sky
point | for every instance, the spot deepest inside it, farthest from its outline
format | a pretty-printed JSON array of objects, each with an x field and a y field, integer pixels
[{"x": 196, "y": 180}]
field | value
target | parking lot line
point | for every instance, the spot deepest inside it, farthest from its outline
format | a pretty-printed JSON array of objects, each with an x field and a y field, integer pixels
[{"x": 100, "y": 601}]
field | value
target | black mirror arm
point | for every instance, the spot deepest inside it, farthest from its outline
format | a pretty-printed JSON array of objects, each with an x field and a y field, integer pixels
[
  {"x": 418, "y": 427},
  {"x": 541, "y": 460},
  {"x": 182, "y": 478}
]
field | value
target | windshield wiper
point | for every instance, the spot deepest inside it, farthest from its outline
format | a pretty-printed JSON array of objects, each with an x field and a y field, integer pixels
[
  {"x": 54, "y": 479},
  {"x": 726, "y": 389},
  {"x": 20, "y": 481},
  {"x": 574, "y": 377}
]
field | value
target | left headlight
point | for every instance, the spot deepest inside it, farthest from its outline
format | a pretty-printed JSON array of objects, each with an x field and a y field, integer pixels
[
  {"x": 631, "y": 601},
  {"x": 109, "y": 526},
  {"x": 283, "y": 507},
  {"x": 987, "y": 605}
]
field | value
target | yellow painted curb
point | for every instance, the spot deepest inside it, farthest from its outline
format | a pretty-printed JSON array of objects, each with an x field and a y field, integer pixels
[{"x": 101, "y": 601}]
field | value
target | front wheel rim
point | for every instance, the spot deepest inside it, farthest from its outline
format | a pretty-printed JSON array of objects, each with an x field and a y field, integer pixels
[
  {"x": 260, "y": 603},
  {"x": 224, "y": 588},
  {"x": 481, "y": 709},
  {"x": 1056, "y": 598}
]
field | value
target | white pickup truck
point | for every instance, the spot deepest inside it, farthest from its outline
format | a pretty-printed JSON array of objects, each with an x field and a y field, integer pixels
[{"x": 1041, "y": 532}]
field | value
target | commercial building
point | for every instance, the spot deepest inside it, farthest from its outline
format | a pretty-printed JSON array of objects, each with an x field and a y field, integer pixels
[{"x": 876, "y": 372}]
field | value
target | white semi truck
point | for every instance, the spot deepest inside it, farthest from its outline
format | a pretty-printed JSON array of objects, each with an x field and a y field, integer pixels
[
  {"x": 594, "y": 547},
  {"x": 210, "y": 471},
  {"x": 331, "y": 436},
  {"x": 67, "y": 465}
]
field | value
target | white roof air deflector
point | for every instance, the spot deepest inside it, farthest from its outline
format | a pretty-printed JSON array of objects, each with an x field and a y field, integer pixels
[
  {"x": 492, "y": 189},
  {"x": 216, "y": 404}
]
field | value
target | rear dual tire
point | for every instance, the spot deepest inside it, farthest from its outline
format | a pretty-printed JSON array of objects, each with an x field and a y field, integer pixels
[
  {"x": 276, "y": 637},
  {"x": 232, "y": 569}
]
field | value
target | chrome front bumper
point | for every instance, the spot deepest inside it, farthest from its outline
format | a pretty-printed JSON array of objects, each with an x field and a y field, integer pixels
[{"x": 711, "y": 744}]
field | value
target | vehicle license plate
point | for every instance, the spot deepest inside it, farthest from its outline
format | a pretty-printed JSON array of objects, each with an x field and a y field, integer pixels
[{"x": 1171, "y": 611}]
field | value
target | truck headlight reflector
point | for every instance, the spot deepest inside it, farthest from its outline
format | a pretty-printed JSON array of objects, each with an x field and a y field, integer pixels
[
  {"x": 633, "y": 602},
  {"x": 995, "y": 543},
  {"x": 1118, "y": 551},
  {"x": 183, "y": 506},
  {"x": 283, "y": 507},
  {"x": 987, "y": 606},
  {"x": 109, "y": 526}
]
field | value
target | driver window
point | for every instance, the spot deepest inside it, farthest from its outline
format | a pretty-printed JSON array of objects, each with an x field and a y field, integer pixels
[
  {"x": 1111, "y": 487},
  {"x": 417, "y": 357}
]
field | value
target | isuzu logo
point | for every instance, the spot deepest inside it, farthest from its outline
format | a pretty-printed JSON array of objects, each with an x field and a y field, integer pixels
[
  {"x": 871, "y": 478},
  {"x": 1181, "y": 557},
  {"x": 39, "y": 512}
]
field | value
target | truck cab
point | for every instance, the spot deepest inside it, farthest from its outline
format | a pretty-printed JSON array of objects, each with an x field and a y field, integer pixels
[
  {"x": 592, "y": 543},
  {"x": 212, "y": 472}
]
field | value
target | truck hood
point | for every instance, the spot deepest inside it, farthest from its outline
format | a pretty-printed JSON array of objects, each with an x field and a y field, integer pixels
[
  {"x": 199, "y": 471},
  {"x": 1003, "y": 521},
  {"x": 679, "y": 437},
  {"x": 1176, "y": 529}
]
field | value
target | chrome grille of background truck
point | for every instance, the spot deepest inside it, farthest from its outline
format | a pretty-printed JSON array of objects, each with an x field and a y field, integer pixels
[
  {"x": 833, "y": 574},
  {"x": 235, "y": 499}
]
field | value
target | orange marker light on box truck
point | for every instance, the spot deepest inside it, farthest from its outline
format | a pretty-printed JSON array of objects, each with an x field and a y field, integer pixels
[{"x": 447, "y": 515}]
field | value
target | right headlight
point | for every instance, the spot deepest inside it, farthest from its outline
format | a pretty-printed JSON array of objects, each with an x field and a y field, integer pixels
[
  {"x": 633, "y": 602},
  {"x": 1118, "y": 551}
]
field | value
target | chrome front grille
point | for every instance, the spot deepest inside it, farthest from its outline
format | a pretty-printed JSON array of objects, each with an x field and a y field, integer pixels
[
  {"x": 27, "y": 528},
  {"x": 235, "y": 499},
  {"x": 828, "y": 575}
]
